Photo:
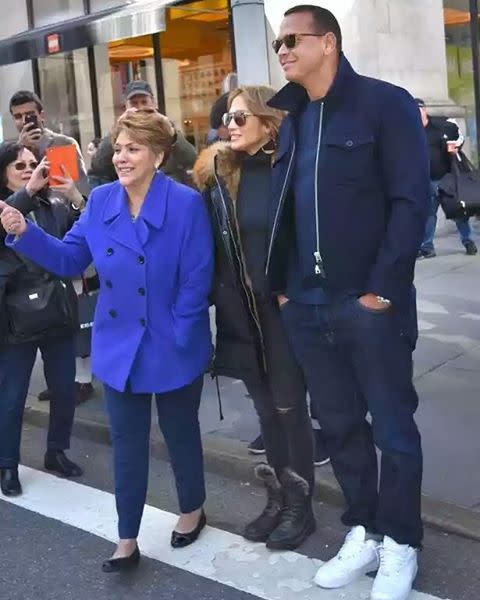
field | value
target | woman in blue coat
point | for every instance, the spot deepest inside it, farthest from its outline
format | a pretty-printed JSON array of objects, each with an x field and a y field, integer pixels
[{"x": 151, "y": 243}]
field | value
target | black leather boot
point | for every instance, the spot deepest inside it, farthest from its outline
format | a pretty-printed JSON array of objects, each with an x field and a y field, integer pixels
[
  {"x": 259, "y": 529},
  {"x": 296, "y": 521},
  {"x": 10, "y": 483},
  {"x": 56, "y": 461}
]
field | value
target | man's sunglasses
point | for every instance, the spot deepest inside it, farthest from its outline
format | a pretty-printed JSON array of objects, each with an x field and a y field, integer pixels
[
  {"x": 239, "y": 116},
  {"x": 21, "y": 165},
  {"x": 291, "y": 40}
]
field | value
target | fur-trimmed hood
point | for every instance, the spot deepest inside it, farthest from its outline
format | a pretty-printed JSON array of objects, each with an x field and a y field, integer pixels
[{"x": 228, "y": 166}]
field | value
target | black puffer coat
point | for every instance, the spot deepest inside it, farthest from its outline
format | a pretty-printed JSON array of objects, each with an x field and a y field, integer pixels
[
  {"x": 239, "y": 351},
  {"x": 16, "y": 273}
]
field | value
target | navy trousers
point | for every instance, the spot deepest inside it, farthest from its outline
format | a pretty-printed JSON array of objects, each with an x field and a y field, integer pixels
[
  {"x": 130, "y": 421},
  {"x": 16, "y": 365},
  {"x": 358, "y": 361}
]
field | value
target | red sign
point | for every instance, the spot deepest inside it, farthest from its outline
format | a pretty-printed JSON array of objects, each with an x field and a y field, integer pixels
[{"x": 53, "y": 43}]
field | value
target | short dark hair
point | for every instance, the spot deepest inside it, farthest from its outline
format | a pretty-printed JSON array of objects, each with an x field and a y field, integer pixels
[
  {"x": 24, "y": 96},
  {"x": 9, "y": 152},
  {"x": 325, "y": 21},
  {"x": 219, "y": 108}
]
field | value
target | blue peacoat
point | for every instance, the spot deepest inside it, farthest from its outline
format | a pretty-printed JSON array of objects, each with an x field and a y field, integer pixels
[{"x": 151, "y": 327}]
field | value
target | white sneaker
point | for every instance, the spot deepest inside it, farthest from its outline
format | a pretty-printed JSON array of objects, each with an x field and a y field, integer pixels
[
  {"x": 397, "y": 572},
  {"x": 355, "y": 558}
]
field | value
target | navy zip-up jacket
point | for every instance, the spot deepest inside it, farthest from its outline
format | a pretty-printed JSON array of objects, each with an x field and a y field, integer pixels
[{"x": 373, "y": 189}]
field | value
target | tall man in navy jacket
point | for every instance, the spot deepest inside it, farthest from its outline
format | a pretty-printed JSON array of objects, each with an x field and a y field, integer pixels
[{"x": 349, "y": 206}]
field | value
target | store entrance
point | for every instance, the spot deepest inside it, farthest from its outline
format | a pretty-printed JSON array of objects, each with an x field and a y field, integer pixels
[
  {"x": 193, "y": 58},
  {"x": 187, "y": 64}
]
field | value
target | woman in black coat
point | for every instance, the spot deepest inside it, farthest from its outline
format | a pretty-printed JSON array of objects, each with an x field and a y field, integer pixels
[
  {"x": 251, "y": 343},
  {"x": 26, "y": 326}
]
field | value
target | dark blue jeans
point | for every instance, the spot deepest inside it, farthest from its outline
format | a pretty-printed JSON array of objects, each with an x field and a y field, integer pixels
[
  {"x": 16, "y": 365},
  {"x": 130, "y": 421},
  {"x": 463, "y": 225},
  {"x": 355, "y": 361}
]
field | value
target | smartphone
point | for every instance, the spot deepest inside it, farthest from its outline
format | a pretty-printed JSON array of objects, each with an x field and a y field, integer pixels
[{"x": 33, "y": 119}]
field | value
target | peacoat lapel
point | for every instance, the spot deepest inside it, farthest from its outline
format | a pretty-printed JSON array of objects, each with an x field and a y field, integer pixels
[{"x": 118, "y": 220}]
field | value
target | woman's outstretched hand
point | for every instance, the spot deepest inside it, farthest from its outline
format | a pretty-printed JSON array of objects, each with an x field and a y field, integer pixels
[{"x": 12, "y": 220}]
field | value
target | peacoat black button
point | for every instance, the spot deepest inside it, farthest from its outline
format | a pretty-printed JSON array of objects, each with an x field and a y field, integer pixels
[
  {"x": 112, "y": 313},
  {"x": 143, "y": 323},
  {"x": 108, "y": 283},
  {"x": 141, "y": 291},
  {"x": 141, "y": 259},
  {"x": 109, "y": 251}
]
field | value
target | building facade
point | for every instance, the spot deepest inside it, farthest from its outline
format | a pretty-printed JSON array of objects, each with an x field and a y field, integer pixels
[{"x": 80, "y": 54}]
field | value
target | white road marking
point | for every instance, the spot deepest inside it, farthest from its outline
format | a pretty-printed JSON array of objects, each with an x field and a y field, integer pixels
[{"x": 218, "y": 555}]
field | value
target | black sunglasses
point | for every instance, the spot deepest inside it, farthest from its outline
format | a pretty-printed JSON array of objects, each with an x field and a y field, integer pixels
[
  {"x": 239, "y": 116},
  {"x": 22, "y": 165},
  {"x": 291, "y": 40}
]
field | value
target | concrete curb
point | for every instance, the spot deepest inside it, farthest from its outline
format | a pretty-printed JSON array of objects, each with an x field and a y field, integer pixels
[{"x": 229, "y": 458}]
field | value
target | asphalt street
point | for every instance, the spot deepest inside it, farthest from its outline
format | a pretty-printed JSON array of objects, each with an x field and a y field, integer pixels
[{"x": 54, "y": 538}]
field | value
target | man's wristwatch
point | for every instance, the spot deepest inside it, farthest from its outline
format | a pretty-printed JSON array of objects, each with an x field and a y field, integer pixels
[{"x": 382, "y": 300}]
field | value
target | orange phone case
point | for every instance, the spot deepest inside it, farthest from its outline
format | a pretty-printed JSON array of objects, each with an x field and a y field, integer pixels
[{"x": 65, "y": 156}]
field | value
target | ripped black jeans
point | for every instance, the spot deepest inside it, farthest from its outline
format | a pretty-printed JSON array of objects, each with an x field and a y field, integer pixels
[{"x": 281, "y": 401}]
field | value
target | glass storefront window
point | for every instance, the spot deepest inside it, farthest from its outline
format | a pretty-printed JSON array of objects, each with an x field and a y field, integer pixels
[
  {"x": 459, "y": 65},
  {"x": 65, "y": 91},
  {"x": 196, "y": 61},
  {"x": 53, "y": 11}
]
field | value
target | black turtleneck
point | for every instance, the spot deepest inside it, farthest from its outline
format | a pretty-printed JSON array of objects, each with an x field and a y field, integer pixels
[{"x": 252, "y": 215}]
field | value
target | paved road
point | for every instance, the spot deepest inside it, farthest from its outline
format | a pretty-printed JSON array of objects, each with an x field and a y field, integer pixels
[{"x": 55, "y": 536}]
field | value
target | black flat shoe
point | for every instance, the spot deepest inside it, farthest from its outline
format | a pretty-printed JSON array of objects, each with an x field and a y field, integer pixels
[
  {"x": 181, "y": 540},
  {"x": 57, "y": 462},
  {"x": 10, "y": 483},
  {"x": 115, "y": 565}
]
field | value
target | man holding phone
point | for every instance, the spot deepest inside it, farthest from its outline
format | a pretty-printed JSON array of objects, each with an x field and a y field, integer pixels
[
  {"x": 28, "y": 114},
  {"x": 444, "y": 142}
]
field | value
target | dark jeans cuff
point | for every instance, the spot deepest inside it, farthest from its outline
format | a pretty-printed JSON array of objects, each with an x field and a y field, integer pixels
[
  {"x": 189, "y": 507},
  {"x": 412, "y": 536},
  {"x": 8, "y": 463}
]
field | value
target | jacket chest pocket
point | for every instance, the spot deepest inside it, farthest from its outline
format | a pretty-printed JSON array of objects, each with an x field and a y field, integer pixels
[{"x": 349, "y": 158}]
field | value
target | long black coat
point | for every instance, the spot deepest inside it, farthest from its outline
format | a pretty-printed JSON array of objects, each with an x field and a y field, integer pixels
[{"x": 239, "y": 349}]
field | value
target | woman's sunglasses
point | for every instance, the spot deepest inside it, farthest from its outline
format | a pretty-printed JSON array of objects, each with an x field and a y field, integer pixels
[
  {"x": 291, "y": 40},
  {"x": 21, "y": 165},
  {"x": 239, "y": 117}
]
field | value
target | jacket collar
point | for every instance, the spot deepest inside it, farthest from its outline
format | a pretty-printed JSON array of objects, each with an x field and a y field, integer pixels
[
  {"x": 293, "y": 96},
  {"x": 154, "y": 205},
  {"x": 152, "y": 213}
]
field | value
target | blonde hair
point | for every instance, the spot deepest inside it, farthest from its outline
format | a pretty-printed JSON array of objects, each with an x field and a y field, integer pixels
[
  {"x": 148, "y": 128},
  {"x": 256, "y": 98}
]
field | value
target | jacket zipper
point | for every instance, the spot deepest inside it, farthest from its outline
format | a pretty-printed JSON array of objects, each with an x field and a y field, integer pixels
[
  {"x": 248, "y": 292},
  {"x": 319, "y": 270},
  {"x": 279, "y": 209}
]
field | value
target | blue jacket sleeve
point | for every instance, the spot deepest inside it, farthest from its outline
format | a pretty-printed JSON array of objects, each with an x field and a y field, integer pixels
[
  {"x": 195, "y": 271},
  {"x": 404, "y": 158},
  {"x": 66, "y": 258}
]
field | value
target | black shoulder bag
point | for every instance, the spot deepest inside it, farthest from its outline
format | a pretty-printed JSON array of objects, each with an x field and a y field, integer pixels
[
  {"x": 34, "y": 310},
  {"x": 459, "y": 190}
]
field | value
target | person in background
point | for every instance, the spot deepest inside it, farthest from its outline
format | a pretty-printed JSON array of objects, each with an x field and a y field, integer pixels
[
  {"x": 218, "y": 132},
  {"x": 251, "y": 342},
  {"x": 29, "y": 116},
  {"x": 348, "y": 210},
  {"x": 22, "y": 184},
  {"x": 444, "y": 142},
  {"x": 139, "y": 95},
  {"x": 151, "y": 243},
  {"x": 93, "y": 147}
]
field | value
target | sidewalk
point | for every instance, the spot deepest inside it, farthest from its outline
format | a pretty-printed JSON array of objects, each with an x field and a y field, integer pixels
[{"x": 447, "y": 375}]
